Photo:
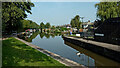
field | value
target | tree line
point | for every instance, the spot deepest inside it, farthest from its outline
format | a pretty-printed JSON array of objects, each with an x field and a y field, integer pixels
[
  {"x": 14, "y": 14},
  {"x": 28, "y": 24},
  {"x": 44, "y": 26}
]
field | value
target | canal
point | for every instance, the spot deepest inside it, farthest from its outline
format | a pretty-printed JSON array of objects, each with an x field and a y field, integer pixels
[{"x": 54, "y": 43}]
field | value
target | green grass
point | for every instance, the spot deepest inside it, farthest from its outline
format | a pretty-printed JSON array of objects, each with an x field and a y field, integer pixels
[
  {"x": 16, "y": 53},
  {"x": 72, "y": 35}
]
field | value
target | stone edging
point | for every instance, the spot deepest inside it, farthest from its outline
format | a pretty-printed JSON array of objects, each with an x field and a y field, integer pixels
[{"x": 62, "y": 60}]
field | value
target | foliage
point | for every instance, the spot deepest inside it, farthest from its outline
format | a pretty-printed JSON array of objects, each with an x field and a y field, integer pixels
[
  {"x": 53, "y": 27},
  {"x": 48, "y": 31},
  {"x": 41, "y": 35},
  {"x": 107, "y": 10},
  {"x": 47, "y": 35},
  {"x": 17, "y": 53},
  {"x": 29, "y": 24},
  {"x": 72, "y": 23},
  {"x": 13, "y": 12},
  {"x": 63, "y": 28},
  {"x": 47, "y": 25},
  {"x": 75, "y": 22},
  {"x": 42, "y": 26},
  {"x": 32, "y": 37},
  {"x": 56, "y": 31},
  {"x": 53, "y": 35}
]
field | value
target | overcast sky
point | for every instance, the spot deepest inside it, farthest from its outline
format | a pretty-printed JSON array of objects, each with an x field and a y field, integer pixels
[{"x": 59, "y": 13}]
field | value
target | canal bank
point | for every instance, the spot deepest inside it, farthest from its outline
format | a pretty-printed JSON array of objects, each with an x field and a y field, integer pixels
[
  {"x": 62, "y": 60},
  {"x": 99, "y": 60},
  {"x": 108, "y": 50}
]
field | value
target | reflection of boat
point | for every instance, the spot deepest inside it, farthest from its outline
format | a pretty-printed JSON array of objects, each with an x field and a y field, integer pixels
[{"x": 98, "y": 59}]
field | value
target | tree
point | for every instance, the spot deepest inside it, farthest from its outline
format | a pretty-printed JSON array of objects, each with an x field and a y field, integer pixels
[
  {"x": 107, "y": 10},
  {"x": 13, "y": 12},
  {"x": 72, "y": 23},
  {"x": 28, "y": 24},
  {"x": 75, "y": 22},
  {"x": 53, "y": 27},
  {"x": 42, "y": 26},
  {"x": 47, "y": 25}
]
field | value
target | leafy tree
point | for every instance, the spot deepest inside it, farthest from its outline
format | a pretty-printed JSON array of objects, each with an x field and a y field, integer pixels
[
  {"x": 42, "y": 26},
  {"x": 63, "y": 28},
  {"x": 72, "y": 23},
  {"x": 75, "y": 22},
  {"x": 48, "y": 25},
  {"x": 107, "y": 10},
  {"x": 53, "y": 27},
  {"x": 13, "y": 12},
  {"x": 58, "y": 27}
]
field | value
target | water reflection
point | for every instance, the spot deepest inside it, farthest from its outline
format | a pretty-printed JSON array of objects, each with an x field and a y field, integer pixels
[
  {"x": 31, "y": 36},
  {"x": 98, "y": 60},
  {"x": 41, "y": 35},
  {"x": 55, "y": 43},
  {"x": 47, "y": 35}
]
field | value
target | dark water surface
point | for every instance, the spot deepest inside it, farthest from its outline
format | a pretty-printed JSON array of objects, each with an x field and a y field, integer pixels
[{"x": 55, "y": 44}]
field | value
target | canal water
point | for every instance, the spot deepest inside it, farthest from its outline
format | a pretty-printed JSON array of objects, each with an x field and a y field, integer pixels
[{"x": 55, "y": 43}]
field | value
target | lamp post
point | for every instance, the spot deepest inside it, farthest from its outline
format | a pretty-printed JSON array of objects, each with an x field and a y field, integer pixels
[
  {"x": 82, "y": 21},
  {"x": 82, "y": 18}
]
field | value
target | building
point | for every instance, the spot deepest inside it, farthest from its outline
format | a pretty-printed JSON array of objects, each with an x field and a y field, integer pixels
[
  {"x": 109, "y": 31},
  {"x": 87, "y": 26}
]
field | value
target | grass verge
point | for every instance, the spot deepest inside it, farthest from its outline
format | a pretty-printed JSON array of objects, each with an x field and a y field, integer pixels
[
  {"x": 73, "y": 35},
  {"x": 17, "y": 53}
]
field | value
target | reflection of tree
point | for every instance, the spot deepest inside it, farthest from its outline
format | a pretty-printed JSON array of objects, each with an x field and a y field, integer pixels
[
  {"x": 42, "y": 35},
  {"x": 42, "y": 26},
  {"x": 47, "y": 35},
  {"x": 32, "y": 36},
  {"x": 59, "y": 34},
  {"x": 56, "y": 34},
  {"x": 53, "y": 35}
]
